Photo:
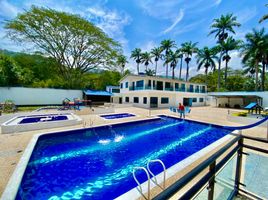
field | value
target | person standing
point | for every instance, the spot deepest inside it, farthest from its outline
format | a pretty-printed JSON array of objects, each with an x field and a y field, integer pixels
[{"x": 181, "y": 110}]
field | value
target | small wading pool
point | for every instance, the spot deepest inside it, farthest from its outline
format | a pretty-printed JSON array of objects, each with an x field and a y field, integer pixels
[
  {"x": 97, "y": 163},
  {"x": 41, "y": 121},
  {"x": 117, "y": 116}
]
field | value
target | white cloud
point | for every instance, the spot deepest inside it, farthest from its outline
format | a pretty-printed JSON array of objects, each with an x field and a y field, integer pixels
[
  {"x": 177, "y": 20},
  {"x": 7, "y": 10},
  {"x": 111, "y": 22},
  {"x": 236, "y": 60}
]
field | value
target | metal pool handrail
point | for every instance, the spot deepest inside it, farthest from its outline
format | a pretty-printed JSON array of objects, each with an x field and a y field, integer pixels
[
  {"x": 153, "y": 175},
  {"x": 139, "y": 184}
]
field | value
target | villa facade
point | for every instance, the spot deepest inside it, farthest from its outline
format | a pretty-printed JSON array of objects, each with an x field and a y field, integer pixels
[{"x": 157, "y": 92}]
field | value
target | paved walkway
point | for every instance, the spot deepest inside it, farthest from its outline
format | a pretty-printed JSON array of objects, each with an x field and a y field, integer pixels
[{"x": 13, "y": 145}]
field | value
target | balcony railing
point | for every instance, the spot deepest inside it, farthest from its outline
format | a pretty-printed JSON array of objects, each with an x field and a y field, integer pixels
[{"x": 147, "y": 87}]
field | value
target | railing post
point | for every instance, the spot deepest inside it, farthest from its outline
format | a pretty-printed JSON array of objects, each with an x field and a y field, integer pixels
[
  {"x": 211, "y": 182},
  {"x": 238, "y": 166},
  {"x": 267, "y": 131}
]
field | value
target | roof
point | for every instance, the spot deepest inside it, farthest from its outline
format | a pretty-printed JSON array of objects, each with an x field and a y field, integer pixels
[
  {"x": 234, "y": 94},
  {"x": 97, "y": 93},
  {"x": 161, "y": 78}
]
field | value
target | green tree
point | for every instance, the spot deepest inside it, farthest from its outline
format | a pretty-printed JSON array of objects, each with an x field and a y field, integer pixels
[
  {"x": 166, "y": 46},
  {"x": 173, "y": 59},
  {"x": 8, "y": 75},
  {"x": 264, "y": 17},
  {"x": 188, "y": 48},
  {"x": 180, "y": 55},
  {"x": 146, "y": 59},
  {"x": 75, "y": 43},
  {"x": 206, "y": 58},
  {"x": 122, "y": 61},
  {"x": 228, "y": 45},
  {"x": 156, "y": 54},
  {"x": 149, "y": 72},
  {"x": 136, "y": 55},
  {"x": 255, "y": 50},
  {"x": 221, "y": 27}
]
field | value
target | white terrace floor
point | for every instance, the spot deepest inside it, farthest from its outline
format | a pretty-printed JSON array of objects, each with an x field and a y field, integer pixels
[{"x": 13, "y": 145}]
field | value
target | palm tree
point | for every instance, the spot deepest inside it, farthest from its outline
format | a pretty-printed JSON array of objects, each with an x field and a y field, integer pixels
[
  {"x": 249, "y": 67},
  {"x": 166, "y": 46},
  {"x": 221, "y": 27},
  {"x": 136, "y": 55},
  {"x": 149, "y": 72},
  {"x": 206, "y": 58},
  {"x": 180, "y": 54},
  {"x": 146, "y": 59},
  {"x": 173, "y": 59},
  {"x": 188, "y": 48},
  {"x": 157, "y": 54},
  {"x": 122, "y": 61},
  {"x": 255, "y": 48},
  {"x": 264, "y": 17},
  {"x": 228, "y": 45}
]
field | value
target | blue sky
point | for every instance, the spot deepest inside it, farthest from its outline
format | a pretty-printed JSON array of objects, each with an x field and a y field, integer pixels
[{"x": 144, "y": 23}]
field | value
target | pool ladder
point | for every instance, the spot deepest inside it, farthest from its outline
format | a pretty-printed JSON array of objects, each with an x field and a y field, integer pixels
[{"x": 149, "y": 172}]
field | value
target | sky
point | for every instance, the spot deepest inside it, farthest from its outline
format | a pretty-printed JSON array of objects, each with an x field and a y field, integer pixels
[{"x": 145, "y": 23}]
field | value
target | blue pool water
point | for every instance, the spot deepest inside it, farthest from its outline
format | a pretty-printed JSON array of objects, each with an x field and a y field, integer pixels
[
  {"x": 97, "y": 163},
  {"x": 43, "y": 118},
  {"x": 117, "y": 116}
]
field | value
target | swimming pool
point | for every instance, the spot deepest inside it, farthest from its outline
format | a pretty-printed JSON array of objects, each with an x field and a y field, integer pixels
[
  {"x": 97, "y": 163},
  {"x": 41, "y": 121},
  {"x": 42, "y": 118},
  {"x": 117, "y": 116}
]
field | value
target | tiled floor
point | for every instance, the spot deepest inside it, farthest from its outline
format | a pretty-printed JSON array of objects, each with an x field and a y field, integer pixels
[{"x": 13, "y": 145}]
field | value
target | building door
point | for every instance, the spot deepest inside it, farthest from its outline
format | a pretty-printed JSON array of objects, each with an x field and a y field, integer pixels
[
  {"x": 187, "y": 101},
  {"x": 120, "y": 100},
  {"x": 153, "y": 102}
]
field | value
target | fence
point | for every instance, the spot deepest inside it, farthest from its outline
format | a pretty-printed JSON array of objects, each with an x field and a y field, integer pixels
[{"x": 37, "y": 96}]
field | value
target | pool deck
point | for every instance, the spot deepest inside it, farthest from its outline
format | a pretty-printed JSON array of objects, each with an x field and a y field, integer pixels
[{"x": 13, "y": 145}]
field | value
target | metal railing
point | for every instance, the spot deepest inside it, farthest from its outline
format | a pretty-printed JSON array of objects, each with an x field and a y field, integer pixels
[{"x": 215, "y": 164}]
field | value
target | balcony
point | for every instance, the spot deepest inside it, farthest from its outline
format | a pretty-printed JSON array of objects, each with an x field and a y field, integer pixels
[{"x": 146, "y": 87}]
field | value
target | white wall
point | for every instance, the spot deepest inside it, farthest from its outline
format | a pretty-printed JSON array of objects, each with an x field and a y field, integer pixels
[
  {"x": 174, "y": 97},
  {"x": 37, "y": 96}
]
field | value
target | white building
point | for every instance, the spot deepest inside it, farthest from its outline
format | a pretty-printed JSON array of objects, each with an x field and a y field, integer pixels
[
  {"x": 116, "y": 96},
  {"x": 156, "y": 92}
]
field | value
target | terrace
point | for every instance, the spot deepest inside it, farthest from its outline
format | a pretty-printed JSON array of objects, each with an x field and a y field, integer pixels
[{"x": 15, "y": 144}]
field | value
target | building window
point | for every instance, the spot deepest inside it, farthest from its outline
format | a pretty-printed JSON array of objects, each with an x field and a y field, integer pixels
[
  {"x": 191, "y": 89},
  {"x": 203, "y": 89},
  {"x": 176, "y": 85},
  {"x": 183, "y": 87},
  {"x": 126, "y": 84},
  {"x": 136, "y": 99},
  {"x": 194, "y": 100},
  {"x": 114, "y": 90},
  {"x": 164, "y": 100},
  {"x": 197, "y": 88},
  {"x": 201, "y": 100},
  {"x": 149, "y": 83},
  {"x": 121, "y": 85},
  {"x": 159, "y": 85},
  {"x": 127, "y": 99},
  {"x": 144, "y": 100},
  {"x": 139, "y": 84}
]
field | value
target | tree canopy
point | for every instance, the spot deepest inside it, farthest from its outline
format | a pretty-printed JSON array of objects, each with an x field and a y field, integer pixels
[{"x": 75, "y": 43}]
